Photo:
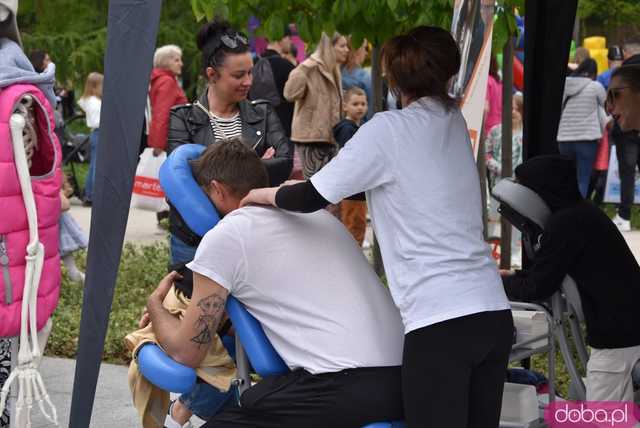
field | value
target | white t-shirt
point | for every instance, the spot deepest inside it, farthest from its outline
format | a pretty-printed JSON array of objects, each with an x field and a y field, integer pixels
[
  {"x": 91, "y": 106},
  {"x": 305, "y": 279},
  {"x": 423, "y": 193}
]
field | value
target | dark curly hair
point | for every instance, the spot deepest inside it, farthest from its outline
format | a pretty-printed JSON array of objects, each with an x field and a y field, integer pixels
[{"x": 209, "y": 42}]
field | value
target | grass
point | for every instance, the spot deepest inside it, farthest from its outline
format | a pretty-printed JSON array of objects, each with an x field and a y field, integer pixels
[
  {"x": 610, "y": 209},
  {"x": 141, "y": 268}
]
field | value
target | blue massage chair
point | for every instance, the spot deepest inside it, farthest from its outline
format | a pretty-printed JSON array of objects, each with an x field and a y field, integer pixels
[{"x": 253, "y": 348}]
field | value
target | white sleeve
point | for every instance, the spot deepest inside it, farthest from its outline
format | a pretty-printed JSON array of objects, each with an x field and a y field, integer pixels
[
  {"x": 362, "y": 164},
  {"x": 220, "y": 256},
  {"x": 91, "y": 107}
]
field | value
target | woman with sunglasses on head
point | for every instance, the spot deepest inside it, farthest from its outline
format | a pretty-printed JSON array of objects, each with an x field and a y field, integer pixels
[
  {"x": 623, "y": 103},
  {"x": 417, "y": 169},
  {"x": 221, "y": 112}
]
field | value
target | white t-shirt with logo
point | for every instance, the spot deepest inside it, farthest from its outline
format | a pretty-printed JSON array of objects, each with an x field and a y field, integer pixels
[
  {"x": 306, "y": 280},
  {"x": 417, "y": 168}
]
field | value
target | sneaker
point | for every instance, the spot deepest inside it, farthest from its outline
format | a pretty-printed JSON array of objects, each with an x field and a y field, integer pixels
[
  {"x": 169, "y": 422},
  {"x": 622, "y": 224}
]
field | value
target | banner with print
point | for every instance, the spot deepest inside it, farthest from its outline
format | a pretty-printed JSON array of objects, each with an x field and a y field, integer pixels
[
  {"x": 472, "y": 27},
  {"x": 612, "y": 190}
]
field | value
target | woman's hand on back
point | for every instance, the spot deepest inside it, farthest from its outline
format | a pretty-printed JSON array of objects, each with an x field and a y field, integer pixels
[{"x": 264, "y": 196}]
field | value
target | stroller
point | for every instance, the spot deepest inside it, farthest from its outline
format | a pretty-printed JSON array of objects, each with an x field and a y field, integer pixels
[{"x": 75, "y": 150}]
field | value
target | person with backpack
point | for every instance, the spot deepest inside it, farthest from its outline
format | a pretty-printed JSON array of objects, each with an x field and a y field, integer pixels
[{"x": 270, "y": 73}]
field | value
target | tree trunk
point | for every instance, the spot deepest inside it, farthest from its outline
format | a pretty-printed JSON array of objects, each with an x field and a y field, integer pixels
[
  {"x": 507, "y": 138},
  {"x": 376, "y": 83}
]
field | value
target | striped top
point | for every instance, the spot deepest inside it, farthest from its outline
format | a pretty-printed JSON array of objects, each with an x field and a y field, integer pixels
[{"x": 225, "y": 128}]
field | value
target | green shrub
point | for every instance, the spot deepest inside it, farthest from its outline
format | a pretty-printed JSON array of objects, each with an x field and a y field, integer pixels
[{"x": 141, "y": 268}]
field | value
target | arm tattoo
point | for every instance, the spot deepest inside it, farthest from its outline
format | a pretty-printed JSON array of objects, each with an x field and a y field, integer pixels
[{"x": 211, "y": 310}]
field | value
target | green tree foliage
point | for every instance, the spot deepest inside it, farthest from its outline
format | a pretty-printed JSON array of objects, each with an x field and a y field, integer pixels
[
  {"x": 74, "y": 34},
  {"x": 375, "y": 20},
  {"x": 505, "y": 21},
  {"x": 612, "y": 13}
]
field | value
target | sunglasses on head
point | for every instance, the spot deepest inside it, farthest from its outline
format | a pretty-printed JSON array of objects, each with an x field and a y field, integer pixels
[{"x": 231, "y": 41}]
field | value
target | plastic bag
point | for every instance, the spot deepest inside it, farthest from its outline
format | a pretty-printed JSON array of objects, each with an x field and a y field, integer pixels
[{"x": 147, "y": 192}]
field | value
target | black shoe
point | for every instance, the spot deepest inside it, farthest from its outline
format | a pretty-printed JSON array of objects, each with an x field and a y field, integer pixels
[{"x": 86, "y": 203}]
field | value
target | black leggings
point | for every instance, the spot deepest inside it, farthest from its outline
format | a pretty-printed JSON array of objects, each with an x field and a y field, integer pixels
[{"x": 453, "y": 372}]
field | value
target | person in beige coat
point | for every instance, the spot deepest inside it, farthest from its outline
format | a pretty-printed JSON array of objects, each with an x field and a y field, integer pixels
[{"x": 315, "y": 87}]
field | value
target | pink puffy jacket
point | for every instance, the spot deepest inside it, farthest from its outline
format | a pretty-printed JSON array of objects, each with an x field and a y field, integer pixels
[{"x": 46, "y": 180}]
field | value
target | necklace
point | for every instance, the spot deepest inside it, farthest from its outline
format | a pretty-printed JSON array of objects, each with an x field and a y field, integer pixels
[{"x": 213, "y": 121}]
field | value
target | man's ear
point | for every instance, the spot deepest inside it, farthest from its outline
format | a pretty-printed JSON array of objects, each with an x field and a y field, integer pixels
[{"x": 215, "y": 187}]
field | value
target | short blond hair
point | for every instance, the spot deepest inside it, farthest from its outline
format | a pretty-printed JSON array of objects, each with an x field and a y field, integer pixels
[
  {"x": 164, "y": 54},
  {"x": 353, "y": 91}
]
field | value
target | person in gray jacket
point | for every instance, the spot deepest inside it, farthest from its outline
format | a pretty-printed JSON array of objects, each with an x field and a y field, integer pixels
[{"x": 583, "y": 120}]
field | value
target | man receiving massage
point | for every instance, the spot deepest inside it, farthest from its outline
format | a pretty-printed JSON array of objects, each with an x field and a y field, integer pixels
[{"x": 309, "y": 285}]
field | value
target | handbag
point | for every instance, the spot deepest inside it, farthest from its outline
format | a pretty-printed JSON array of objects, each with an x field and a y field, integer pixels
[{"x": 147, "y": 192}]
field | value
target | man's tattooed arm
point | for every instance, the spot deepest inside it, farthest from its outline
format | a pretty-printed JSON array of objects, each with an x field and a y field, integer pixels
[
  {"x": 211, "y": 309},
  {"x": 187, "y": 340}
]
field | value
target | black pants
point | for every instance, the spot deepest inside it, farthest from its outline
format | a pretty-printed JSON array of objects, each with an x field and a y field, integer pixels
[
  {"x": 628, "y": 153},
  {"x": 351, "y": 399},
  {"x": 453, "y": 372}
]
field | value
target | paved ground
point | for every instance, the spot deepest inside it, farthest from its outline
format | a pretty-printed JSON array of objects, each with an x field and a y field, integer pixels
[
  {"x": 113, "y": 407},
  {"x": 142, "y": 226}
]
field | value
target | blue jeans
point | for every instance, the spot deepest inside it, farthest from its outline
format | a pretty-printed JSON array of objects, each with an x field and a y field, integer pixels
[
  {"x": 584, "y": 153},
  {"x": 180, "y": 251},
  {"x": 205, "y": 401},
  {"x": 91, "y": 175}
]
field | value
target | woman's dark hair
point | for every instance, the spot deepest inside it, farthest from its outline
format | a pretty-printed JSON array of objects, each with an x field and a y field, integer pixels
[
  {"x": 587, "y": 68},
  {"x": 421, "y": 62},
  {"x": 36, "y": 57},
  {"x": 212, "y": 45},
  {"x": 629, "y": 72}
]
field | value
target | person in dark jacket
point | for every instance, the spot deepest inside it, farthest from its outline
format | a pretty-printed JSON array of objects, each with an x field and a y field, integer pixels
[
  {"x": 223, "y": 112},
  {"x": 353, "y": 210},
  {"x": 281, "y": 68},
  {"x": 623, "y": 103},
  {"x": 581, "y": 241}
]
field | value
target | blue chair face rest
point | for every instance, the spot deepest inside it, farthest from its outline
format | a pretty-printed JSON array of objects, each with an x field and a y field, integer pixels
[
  {"x": 182, "y": 190},
  {"x": 263, "y": 357},
  {"x": 164, "y": 372}
]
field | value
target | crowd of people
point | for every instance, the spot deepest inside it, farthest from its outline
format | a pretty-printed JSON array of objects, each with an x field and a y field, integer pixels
[{"x": 342, "y": 333}]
